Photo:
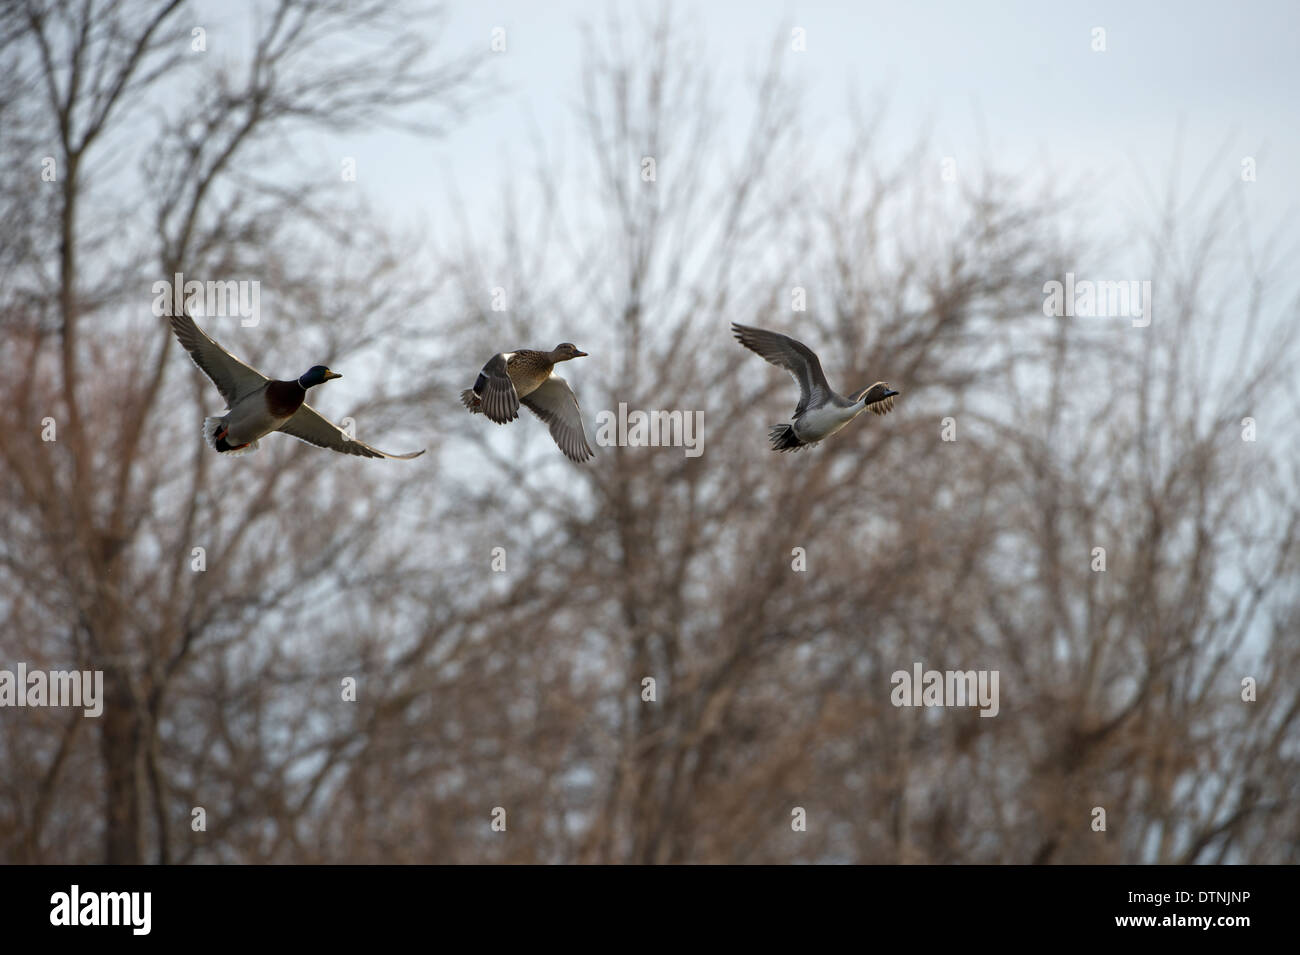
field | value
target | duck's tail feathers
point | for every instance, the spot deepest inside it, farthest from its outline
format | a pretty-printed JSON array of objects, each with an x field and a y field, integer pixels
[
  {"x": 469, "y": 398},
  {"x": 783, "y": 438},
  {"x": 211, "y": 427}
]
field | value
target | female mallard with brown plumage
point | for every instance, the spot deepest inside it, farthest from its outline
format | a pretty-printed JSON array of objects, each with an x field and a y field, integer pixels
[{"x": 528, "y": 376}]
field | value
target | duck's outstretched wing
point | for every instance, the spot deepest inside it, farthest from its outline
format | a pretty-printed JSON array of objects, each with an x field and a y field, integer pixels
[
  {"x": 308, "y": 424},
  {"x": 493, "y": 392},
  {"x": 795, "y": 357},
  {"x": 553, "y": 401},
  {"x": 883, "y": 406},
  {"x": 232, "y": 377}
]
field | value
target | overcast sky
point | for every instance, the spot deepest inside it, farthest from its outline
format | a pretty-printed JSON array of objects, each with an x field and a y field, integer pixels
[{"x": 1225, "y": 74}]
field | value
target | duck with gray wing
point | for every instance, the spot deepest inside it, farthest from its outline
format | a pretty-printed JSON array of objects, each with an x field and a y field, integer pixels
[
  {"x": 256, "y": 405},
  {"x": 821, "y": 411},
  {"x": 527, "y": 376}
]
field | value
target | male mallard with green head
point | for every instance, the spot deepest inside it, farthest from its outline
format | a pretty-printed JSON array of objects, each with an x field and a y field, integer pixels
[
  {"x": 527, "y": 376},
  {"x": 821, "y": 412},
  {"x": 257, "y": 405}
]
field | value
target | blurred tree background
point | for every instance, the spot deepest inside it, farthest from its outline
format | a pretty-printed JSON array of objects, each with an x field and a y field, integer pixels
[{"x": 522, "y": 689}]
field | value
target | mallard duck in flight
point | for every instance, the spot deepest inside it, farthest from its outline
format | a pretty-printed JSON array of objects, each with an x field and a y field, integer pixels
[
  {"x": 257, "y": 405},
  {"x": 527, "y": 376}
]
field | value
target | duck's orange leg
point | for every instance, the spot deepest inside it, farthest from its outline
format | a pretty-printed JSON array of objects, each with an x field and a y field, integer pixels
[{"x": 221, "y": 436}]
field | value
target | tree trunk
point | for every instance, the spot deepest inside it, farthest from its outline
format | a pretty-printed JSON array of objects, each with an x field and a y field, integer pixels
[{"x": 123, "y": 751}]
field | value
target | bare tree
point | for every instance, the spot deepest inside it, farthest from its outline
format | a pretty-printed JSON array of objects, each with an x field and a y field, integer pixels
[
  {"x": 105, "y": 513},
  {"x": 500, "y": 609}
]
